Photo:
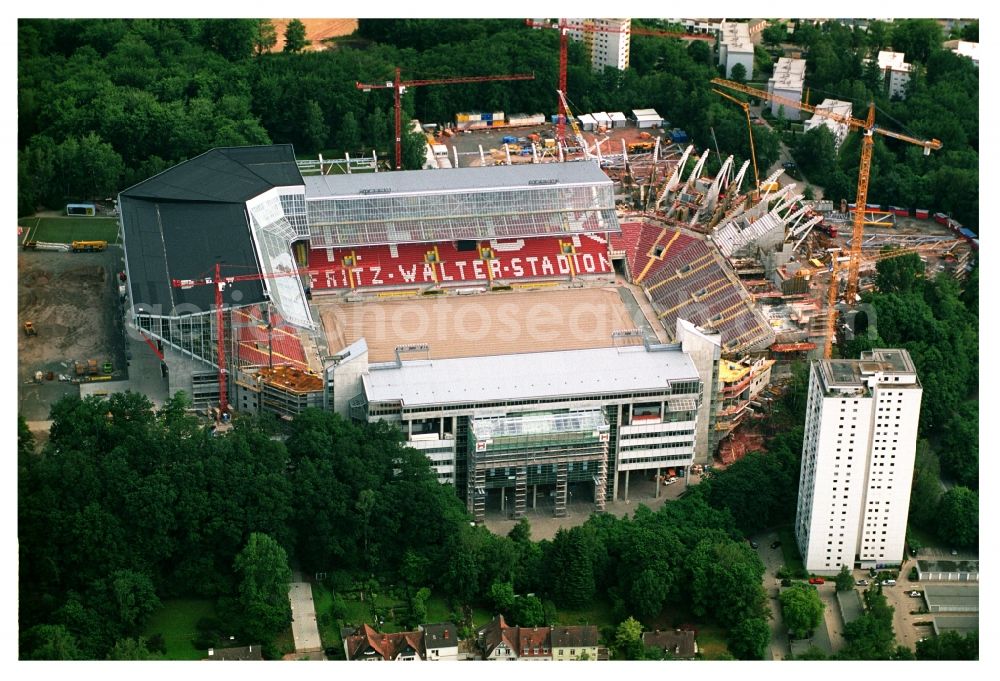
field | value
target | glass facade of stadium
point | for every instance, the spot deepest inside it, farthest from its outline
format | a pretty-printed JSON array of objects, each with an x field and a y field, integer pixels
[
  {"x": 548, "y": 452},
  {"x": 441, "y": 215}
]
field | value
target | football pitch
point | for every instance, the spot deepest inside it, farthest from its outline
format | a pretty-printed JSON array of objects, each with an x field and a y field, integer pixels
[{"x": 64, "y": 230}]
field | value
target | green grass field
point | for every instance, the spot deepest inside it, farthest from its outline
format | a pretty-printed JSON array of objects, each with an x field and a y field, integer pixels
[
  {"x": 712, "y": 642},
  {"x": 790, "y": 549},
  {"x": 63, "y": 230},
  {"x": 177, "y": 621}
]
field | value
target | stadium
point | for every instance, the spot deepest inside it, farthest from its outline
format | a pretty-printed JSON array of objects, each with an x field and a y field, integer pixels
[{"x": 484, "y": 311}]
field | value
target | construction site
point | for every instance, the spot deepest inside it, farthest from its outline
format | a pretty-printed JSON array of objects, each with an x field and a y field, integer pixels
[
  {"x": 70, "y": 329},
  {"x": 545, "y": 282}
]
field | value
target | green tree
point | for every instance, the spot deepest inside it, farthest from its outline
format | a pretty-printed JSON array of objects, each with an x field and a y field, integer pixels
[
  {"x": 314, "y": 128},
  {"x": 738, "y": 73},
  {"x": 528, "y": 611},
  {"x": 349, "y": 134},
  {"x": 266, "y": 36},
  {"x": 49, "y": 642},
  {"x": 414, "y": 148},
  {"x": 418, "y": 607},
  {"x": 916, "y": 38},
  {"x": 570, "y": 557},
  {"x": 231, "y": 38},
  {"x": 749, "y": 639},
  {"x": 628, "y": 640},
  {"x": 295, "y": 36},
  {"x": 949, "y": 645},
  {"x": 774, "y": 34},
  {"x": 926, "y": 490},
  {"x": 726, "y": 581},
  {"x": 700, "y": 52},
  {"x": 502, "y": 596},
  {"x": 131, "y": 649},
  {"x": 870, "y": 637},
  {"x": 970, "y": 32},
  {"x": 844, "y": 579},
  {"x": 264, "y": 578},
  {"x": 135, "y": 599},
  {"x": 900, "y": 274},
  {"x": 958, "y": 517},
  {"x": 801, "y": 609}
]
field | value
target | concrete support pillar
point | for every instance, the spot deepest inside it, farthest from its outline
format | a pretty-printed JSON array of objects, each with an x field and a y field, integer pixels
[
  {"x": 656, "y": 494},
  {"x": 534, "y": 497},
  {"x": 626, "y": 484},
  {"x": 503, "y": 498}
]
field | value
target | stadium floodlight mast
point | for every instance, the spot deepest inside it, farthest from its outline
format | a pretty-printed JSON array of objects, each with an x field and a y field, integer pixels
[{"x": 399, "y": 86}]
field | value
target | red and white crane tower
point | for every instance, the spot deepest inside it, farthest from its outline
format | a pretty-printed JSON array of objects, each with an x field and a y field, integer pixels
[
  {"x": 564, "y": 28},
  {"x": 220, "y": 283},
  {"x": 398, "y": 86}
]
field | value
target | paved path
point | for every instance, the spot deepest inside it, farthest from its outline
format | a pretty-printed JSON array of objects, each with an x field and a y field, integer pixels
[{"x": 304, "y": 628}]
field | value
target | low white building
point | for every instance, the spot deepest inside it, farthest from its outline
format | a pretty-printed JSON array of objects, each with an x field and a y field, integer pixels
[
  {"x": 618, "y": 119},
  {"x": 647, "y": 118},
  {"x": 895, "y": 72},
  {"x": 789, "y": 74},
  {"x": 735, "y": 47},
  {"x": 587, "y": 122},
  {"x": 602, "y": 119},
  {"x": 839, "y": 130},
  {"x": 963, "y": 48}
]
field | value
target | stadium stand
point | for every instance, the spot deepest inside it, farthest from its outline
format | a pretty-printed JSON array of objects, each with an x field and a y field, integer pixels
[
  {"x": 684, "y": 276},
  {"x": 455, "y": 263}
]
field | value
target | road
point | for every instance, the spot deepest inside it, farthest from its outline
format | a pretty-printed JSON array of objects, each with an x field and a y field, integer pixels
[
  {"x": 305, "y": 631},
  {"x": 773, "y": 560},
  {"x": 785, "y": 156}
]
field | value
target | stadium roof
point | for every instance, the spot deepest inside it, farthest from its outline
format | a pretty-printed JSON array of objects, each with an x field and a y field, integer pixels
[
  {"x": 527, "y": 376},
  {"x": 179, "y": 223},
  {"x": 456, "y": 179}
]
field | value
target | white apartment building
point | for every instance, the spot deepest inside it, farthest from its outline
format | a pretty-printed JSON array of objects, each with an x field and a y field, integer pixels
[
  {"x": 787, "y": 80},
  {"x": 895, "y": 72},
  {"x": 839, "y": 130},
  {"x": 608, "y": 40},
  {"x": 857, "y": 461},
  {"x": 735, "y": 47},
  {"x": 964, "y": 48}
]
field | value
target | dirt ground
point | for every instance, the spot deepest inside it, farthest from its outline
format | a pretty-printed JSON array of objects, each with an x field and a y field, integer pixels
[
  {"x": 72, "y": 300},
  {"x": 468, "y": 143},
  {"x": 484, "y": 324}
]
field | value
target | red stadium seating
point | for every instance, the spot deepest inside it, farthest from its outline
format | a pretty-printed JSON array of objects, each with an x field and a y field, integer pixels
[
  {"x": 689, "y": 280},
  {"x": 251, "y": 332},
  {"x": 442, "y": 263}
]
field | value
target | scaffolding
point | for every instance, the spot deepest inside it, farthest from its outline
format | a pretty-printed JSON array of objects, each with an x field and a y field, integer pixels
[{"x": 549, "y": 448}]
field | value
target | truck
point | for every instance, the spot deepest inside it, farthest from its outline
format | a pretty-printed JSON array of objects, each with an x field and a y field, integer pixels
[{"x": 87, "y": 246}]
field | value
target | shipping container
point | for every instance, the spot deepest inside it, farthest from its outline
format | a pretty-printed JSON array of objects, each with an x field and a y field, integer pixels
[
  {"x": 968, "y": 233},
  {"x": 900, "y": 212},
  {"x": 922, "y": 213},
  {"x": 941, "y": 218}
]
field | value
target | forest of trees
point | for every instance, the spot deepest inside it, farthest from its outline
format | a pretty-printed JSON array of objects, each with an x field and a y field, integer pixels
[
  {"x": 942, "y": 102},
  {"x": 108, "y": 103},
  {"x": 125, "y": 500},
  {"x": 937, "y": 321}
]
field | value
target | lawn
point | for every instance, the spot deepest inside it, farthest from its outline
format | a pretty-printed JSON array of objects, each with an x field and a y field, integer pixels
[
  {"x": 598, "y": 613},
  {"x": 790, "y": 549},
  {"x": 712, "y": 642},
  {"x": 66, "y": 229},
  {"x": 177, "y": 621}
]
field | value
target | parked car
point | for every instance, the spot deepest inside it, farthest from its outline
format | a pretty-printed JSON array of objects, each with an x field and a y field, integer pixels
[
  {"x": 888, "y": 582},
  {"x": 817, "y": 580},
  {"x": 788, "y": 165},
  {"x": 753, "y": 544},
  {"x": 862, "y": 582},
  {"x": 775, "y": 544},
  {"x": 916, "y": 594}
]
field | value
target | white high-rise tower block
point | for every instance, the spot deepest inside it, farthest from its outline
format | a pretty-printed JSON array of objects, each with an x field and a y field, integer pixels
[{"x": 857, "y": 461}]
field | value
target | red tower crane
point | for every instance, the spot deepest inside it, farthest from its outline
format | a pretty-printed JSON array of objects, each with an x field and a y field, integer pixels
[
  {"x": 399, "y": 87},
  {"x": 220, "y": 283},
  {"x": 563, "y": 27}
]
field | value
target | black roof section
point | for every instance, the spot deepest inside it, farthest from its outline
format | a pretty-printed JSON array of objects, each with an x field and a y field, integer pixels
[{"x": 180, "y": 223}]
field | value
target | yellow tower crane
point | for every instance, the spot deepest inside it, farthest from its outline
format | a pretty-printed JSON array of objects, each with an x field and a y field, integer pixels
[
  {"x": 753, "y": 152},
  {"x": 869, "y": 129}
]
